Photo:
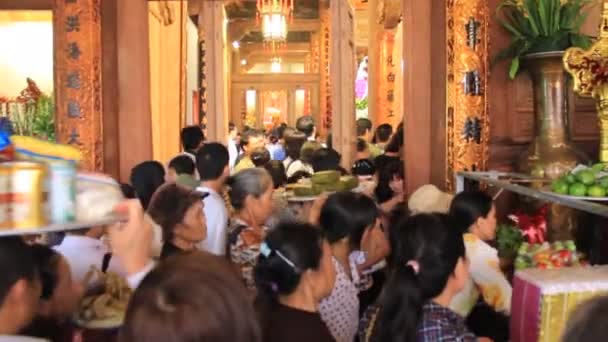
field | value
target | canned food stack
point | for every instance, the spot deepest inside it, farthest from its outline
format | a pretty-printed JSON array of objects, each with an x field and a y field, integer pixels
[{"x": 38, "y": 185}]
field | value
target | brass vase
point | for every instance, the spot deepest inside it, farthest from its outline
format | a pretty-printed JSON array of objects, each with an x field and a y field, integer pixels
[{"x": 551, "y": 153}]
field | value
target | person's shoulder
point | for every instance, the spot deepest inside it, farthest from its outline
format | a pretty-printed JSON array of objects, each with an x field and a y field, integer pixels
[{"x": 15, "y": 338}]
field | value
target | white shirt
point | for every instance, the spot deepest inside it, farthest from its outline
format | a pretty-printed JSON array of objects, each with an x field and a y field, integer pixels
[
  {"x": 233, "y": 153},
  {"x": 216, "y": 215},
  {"x": 82, "y": 252},
  {"x": 298, "y": 165}
]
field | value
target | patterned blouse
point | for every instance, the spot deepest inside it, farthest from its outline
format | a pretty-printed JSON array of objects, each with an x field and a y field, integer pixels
[
  {"x": 340, "y": 311},
  {"x": 439, "y": 324},
  {"x": 486, "y": 279},
  {"x": 244, "y": 244}
]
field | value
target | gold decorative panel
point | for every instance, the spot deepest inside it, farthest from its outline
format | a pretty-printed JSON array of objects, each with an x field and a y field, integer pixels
[
  {"x": 467, "y": 79},
  {"x": 77, "y": 45}
]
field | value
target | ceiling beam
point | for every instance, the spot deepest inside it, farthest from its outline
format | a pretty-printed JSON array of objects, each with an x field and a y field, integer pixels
[
  {"x": 239, "y": 27},
  {"x": 26, "y": 5}
]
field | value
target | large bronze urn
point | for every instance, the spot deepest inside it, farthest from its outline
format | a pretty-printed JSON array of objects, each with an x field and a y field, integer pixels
[{"x": 551, "y": 152}]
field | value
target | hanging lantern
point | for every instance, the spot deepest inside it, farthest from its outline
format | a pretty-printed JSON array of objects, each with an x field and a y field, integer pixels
[{"x": 274, "y": 15}]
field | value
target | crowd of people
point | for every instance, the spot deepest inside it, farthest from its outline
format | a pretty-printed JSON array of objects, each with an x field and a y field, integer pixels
[{"x": 214, "y": 253}]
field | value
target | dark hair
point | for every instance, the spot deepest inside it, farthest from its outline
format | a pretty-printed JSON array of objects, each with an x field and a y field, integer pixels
[
  {"x": 467, "y": 207},
  {"x": 185, "y": 290},
  {"x": 427, "y": 240},
  {"x": 363, "y": 167},
  {"x": 383, "y": 133},
  {"x": 347, "y": 214},
  {"x": 249, "y": 134},
  {"x": 361, "y": 145},
  {"x": 192, "y": 137},
  {"x": 297, "y": 176},
  {"x": 146, "y": 177},
  {"x": 169, "y": 206},
  {"x": 47, "y": 262},
  {"x": 260, "y": 156},
  {"x": 211, "y": 161},
  {"x": 231, "y": 127},
  {"x": 182, "y": 165},
  {"x": 298, "y": 243},
  {"x": 363, "y": 125},
  {"x": 249, "y": 182},
  {"x": 306, "y": 125},
  {"x": 325, "y": 159},
  {"x": 588, "y": 321},
  {"x": 277, "y": 172},
  {"x": 391, "y": 170},
  {"x": 16, "y": 262},
  {"x": 293, "y": 144},
  {"x": 396, "y": 142},
  {"x": 127, "y": 191},
  {"x": 308, "y": 149},
  {"x": 282, "y": 129}
]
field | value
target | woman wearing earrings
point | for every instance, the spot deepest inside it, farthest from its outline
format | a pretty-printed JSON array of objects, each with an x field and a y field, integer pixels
[{"x": 293, "y": 274}]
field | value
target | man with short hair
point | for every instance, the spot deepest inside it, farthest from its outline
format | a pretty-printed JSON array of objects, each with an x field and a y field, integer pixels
[
  {"x": 192, "y": 138},
  {"x": 383, "y": 135},
  {"x": 212, "y": 162},
  {"x": 180, "y": 165},
  {"x": 306, "y": 125},
  {"x": 250, "y": 140},
  {"x": 20, "y": 285},
  {"x": 364, "y": 131}
]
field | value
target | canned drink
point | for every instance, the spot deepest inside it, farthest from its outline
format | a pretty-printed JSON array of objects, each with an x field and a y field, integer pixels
[
  {"x": 62, "y": 193},
  {"x": 5, "y": 196},
  {"x": 28, "y": 198}
]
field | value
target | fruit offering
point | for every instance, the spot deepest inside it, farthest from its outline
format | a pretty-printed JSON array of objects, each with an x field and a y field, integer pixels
[
  {"x": 583, "y": 181},
  {"x": 547, "y": 256},
  {"x": 509, "y": 238}
]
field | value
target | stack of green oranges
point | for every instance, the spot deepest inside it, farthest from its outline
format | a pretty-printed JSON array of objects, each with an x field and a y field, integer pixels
[{"x": 584, "y": 183}]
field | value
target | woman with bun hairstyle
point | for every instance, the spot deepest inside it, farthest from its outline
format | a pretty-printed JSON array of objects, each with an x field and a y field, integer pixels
[
  {"x": 428, "y": 268},
  {"x": 293, "y": 274},
  {"x": 486, "y": 297}
]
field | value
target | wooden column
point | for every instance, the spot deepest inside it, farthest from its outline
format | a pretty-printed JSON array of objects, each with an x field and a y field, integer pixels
[
  {"x": 342, "y": 57},
  {"x": 373, "y": 58},
  {"x": 417, "y": 41},
  {"x": 212, "y": 24},
  {"x": 133, "y": 65}
]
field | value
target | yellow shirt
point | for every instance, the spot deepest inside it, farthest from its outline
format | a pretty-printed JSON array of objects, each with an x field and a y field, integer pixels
[
  {"x": 486, "y": 279},
  {"x": 245, "y": 163}
]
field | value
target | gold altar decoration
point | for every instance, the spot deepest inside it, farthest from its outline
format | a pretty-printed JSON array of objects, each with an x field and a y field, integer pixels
[
  {"x": 77, "y": 55},
  {"x": 466, "y": 96},
  {"x": 589, "y": 70}
]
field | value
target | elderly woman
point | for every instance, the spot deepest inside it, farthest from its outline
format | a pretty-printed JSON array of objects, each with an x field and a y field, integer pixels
[
  {"x": 251, "y": 197},
  {"x": 179, "y": 212}
]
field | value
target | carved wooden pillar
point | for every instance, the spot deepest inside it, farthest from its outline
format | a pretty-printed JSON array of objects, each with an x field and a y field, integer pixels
[
  {"x": 212, "y": 24},
  {"x": 342, "y": 56},
  {"x": 78, "y": 102},
  {"x": 374, "y": 61},
  {"x": 325, "y": 103}
]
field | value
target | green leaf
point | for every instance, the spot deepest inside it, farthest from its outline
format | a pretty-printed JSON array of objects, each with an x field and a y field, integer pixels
[
  {"x": 543, "y": 10},
  {"x": 533, "y": 16},
  {"x": 580, "y": 40},
  {"x": 510, "y": 28},
  {"x": 514, "y": 68}
]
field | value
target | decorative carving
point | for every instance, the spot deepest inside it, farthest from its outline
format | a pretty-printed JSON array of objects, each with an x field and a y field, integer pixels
[
  {"x": 467, "y": 74},
  {"x": 589, "y": 70},
  {"x": 78, "y": 104},
  {"x": 326, "y": 107}
]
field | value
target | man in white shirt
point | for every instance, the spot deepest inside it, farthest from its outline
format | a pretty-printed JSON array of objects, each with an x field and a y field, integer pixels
[
  {"x": 212, "y": 163},
  {"x": 85, "y": 250},
  {"x": 233, "y": 150}
]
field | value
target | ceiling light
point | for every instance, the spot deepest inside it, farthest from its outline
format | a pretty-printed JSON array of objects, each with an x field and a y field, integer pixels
[{"x": 236, "y": 44}]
